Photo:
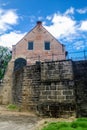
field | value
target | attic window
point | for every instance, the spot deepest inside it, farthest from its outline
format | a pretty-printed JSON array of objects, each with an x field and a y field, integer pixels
[
  {"x": 47, "y": 45},
  {"x": 30, "y": 45}
]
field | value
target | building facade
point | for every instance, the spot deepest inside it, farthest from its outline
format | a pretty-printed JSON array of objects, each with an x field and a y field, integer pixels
[{"x": 38, "y": 45}]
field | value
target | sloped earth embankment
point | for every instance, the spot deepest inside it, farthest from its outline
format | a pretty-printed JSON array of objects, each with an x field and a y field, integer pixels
[{"x": 12, "y": 120}]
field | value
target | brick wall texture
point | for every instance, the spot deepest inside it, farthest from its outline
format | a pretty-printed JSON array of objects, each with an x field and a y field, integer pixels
[{"x": 38, "y": 35}]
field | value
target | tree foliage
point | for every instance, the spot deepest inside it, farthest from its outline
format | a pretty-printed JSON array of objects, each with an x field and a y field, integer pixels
[{"x": 5, "y": 56}]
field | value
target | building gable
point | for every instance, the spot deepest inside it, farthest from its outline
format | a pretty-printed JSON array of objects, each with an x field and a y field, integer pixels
[{"x": 38, "y": 43}]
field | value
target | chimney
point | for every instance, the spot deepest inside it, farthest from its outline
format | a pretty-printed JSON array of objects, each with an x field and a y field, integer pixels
[{"x": 39, "y": 23}]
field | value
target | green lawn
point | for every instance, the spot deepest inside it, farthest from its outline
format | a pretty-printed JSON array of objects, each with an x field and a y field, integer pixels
[{"x": 79, "y": 124}]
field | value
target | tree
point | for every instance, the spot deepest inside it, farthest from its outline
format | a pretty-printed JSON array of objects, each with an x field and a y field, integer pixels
[{"x": 5, "y": 56}]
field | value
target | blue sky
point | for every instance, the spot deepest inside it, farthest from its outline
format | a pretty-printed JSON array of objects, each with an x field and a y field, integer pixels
[{"x": 65, "y": 19}]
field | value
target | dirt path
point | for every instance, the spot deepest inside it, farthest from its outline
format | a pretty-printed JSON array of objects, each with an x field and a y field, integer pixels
[
  {"x": 10, "y": 120},
  {"x": 17, "y": 123}
]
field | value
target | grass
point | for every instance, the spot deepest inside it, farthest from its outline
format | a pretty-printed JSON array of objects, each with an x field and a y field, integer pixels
[
  {"x": 12, "y": 107},
  {"x": 79, "y": 124}
]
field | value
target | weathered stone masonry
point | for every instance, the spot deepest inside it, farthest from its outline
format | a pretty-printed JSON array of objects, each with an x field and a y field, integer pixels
[
  {"x": 80, "y": 73},
  {"x": 26, "y": 87},
  {"x": 56, "y": 89},
  {"x": 47, "y": 88}
]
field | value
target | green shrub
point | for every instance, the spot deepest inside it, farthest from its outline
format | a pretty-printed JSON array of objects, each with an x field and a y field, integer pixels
[
  {"x": 5, "y": 57},
  {"x": 82, "y": 124},
  {"x": 68, "y": 128},
  {"x": 12, "y": 107},
  {"x": 63, "y": 125},
  {"x": 79, "y": 124},
  {"x": 56, "y": 126},
  {"x": 82, "y": 119},
  {"x": 51, "y": 126},
  {"x": 74, "y": 124}
]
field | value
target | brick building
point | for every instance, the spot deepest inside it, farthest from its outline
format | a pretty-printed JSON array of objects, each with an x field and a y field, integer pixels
[{"x": 38, "y": 45}]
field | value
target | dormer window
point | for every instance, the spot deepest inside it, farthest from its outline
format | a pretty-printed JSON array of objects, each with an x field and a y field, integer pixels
[
  {"x": 47, "y": 45},
  {"x": 30, "y": 46}
]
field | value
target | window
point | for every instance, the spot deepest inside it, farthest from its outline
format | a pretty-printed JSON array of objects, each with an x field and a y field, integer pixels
[
  {"x": 30, "y": 45},
  {"x": 47, "y": 45}
]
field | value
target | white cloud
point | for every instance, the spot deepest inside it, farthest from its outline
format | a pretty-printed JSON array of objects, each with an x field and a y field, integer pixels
[
  {"x": 11, "y": 38},
  {"x": 40, "y": 18},
  {"x": 61, "y": 25},
  {"x": 4, "y": 4},
  {"x": 82, "y": 11},
  {"x": 67, "y": 29},
  {"x": 69, "y": 11},
  {"x": 7, "y": 19},
  {"x": 49, "y": 17},
  {"x": 83, "y": 26},
  {"x": 79, "y": 45}
]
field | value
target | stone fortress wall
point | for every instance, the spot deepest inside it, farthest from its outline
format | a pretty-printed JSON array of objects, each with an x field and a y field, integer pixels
[{"x": 55, "y": 89}]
